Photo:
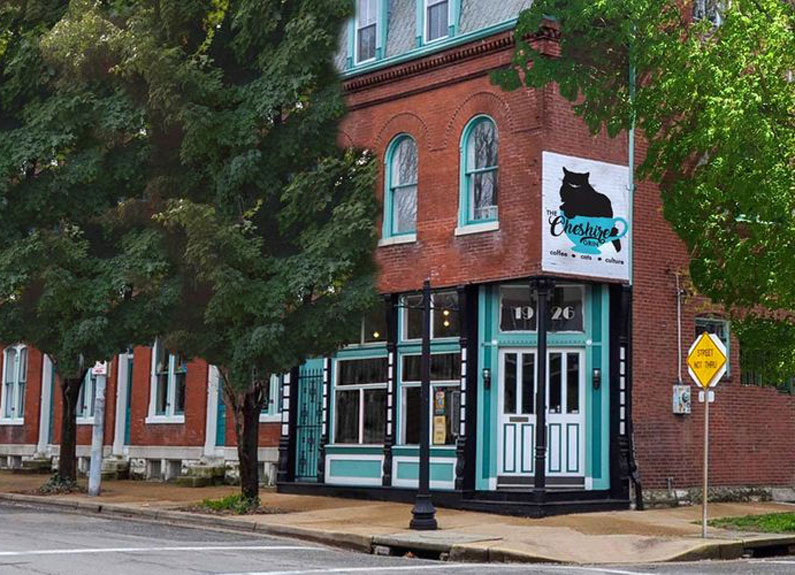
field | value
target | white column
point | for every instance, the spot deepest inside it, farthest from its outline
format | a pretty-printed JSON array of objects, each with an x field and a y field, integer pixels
[
  {"x": 120, "y": 421},
  {"x": 211, "y": 421},
  {"x": 44, "y": 407}
]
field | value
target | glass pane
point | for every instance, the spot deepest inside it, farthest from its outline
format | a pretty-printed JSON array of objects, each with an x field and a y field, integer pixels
[
  {"x": 21, "y": 399},
  {"x": 93, "y": 401},
  {"x": 411, "y": 410},
  {"x": 11, "y": 365},
  {"x": 528, "y": 383},
  {"x": 484, "y": 195},
  {"x": 518, "y": 311},
  {"x": 566, "y": 309},
  {"x": 413, "y": 316},
  {"x": 573, "y": 383},
  {"x": 445, "y": 315},
  {"x": 404, "y": 163},
  {"x": 509, "y": 392},
  {"x": 346, "y": 417},
  {"x": 437, "y": 21},
  {"x": 404, "y": 210},
  {"x": 482, "y": 146},
  {"x": 23, "y": 364},
  {"x": 444, "y": 367},
  {"x": 366, "y": 47},
  {"x": 179, "y": 393},
  {"x": 375, "y": 325},
  {"x": 9, "y": 404},
  {"x": 374, "y": 416},
  {"x": 368, "y": 10},
  {"x": 161, "y": 397},
  {"x": 445, "y": 401},
  {"x": 555, "y": 383},
  {"x": 362, "y": 371}
]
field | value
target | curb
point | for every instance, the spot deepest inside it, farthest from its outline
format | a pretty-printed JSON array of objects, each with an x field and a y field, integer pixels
[{"x": 715, "y": 550}]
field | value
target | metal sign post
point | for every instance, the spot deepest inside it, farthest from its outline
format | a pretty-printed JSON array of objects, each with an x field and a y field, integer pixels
[{"x": 706, "y": 364}]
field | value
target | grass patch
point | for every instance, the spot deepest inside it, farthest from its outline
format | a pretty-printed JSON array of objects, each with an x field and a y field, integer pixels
[
  {"x": 233, "y": 505},
  {"x": 57, "y": 485},
  {"x": 769, "y": 523}
]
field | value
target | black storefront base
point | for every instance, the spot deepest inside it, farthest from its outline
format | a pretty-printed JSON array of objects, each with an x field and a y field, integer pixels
[{"x": 515, "y": 503}]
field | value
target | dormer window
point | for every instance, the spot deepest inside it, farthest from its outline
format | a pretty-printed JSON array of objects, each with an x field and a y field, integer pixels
[
  {"x": 366, "y": 30},
  {"x": 437, "y": 19}
]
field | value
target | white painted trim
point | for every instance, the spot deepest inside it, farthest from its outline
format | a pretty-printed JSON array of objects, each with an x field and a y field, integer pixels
[
  {"x": 22, "y": 449},
  {"x": 470, "y": 229},
  {"x": 396, "y": 482},
  {"x": 164, "y": 452},
  {"x": 120, "y": 420},
  {"x": 164, "y": 419},
  {"x": 277, "y": 418},
  {"x": 44, "y": 408},
  {"x": 426, "y": 23},
  {"x": 17, "y": 419},
  {"x": 353, "y": 480},
  {"x": 397, "y": 240},
  {"x": 211, "y": 420},
  {"x": 10, "y": 422}
]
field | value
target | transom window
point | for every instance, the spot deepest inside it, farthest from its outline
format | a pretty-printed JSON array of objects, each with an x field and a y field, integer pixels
[
  {"x": 373, "y": 327},
  {"x": 15, "y": 376},
  {"x": 366, "y": 30},
  {"x": 480, "y": 167},
  {"x": 169, "y": 372},
  {"x": 444, "y": 316},
  {"x": 518, "y": 309},
  {"x": 401, "y": 200},
  {"x": 437, "y": 19},
  {"x": 360, "y": 401},
  {"x": 445, "y": 398}
]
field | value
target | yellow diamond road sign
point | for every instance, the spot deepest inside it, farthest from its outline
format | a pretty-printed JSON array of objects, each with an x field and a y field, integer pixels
[{"x": 706, "y": 360}]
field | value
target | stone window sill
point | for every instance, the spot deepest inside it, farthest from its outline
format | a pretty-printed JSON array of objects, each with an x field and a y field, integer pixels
[{"x": 477, "y": 228}]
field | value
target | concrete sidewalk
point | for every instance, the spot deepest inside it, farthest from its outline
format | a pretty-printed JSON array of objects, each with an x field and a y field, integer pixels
[{"x": 611, "y": 537}]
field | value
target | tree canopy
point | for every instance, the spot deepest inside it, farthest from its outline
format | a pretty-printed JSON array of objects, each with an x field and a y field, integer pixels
[{"x": 714, "y": 97}]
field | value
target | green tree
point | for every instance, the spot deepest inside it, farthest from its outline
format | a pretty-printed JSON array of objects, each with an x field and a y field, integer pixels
[
  {"x": 714, "y": 99},
  {"x": 82, "y": 267},
  {"x": 271, "y": 227}
]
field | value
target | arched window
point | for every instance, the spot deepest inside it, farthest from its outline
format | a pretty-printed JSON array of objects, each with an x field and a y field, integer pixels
[
  {"x": 479, "y": 167},
  {"x": 400, "y": 217}
]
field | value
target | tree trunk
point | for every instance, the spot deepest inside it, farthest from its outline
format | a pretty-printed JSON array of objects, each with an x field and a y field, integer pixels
[
  {"x": 67, "y": 464},
  {"x": 247, "y": 428}
]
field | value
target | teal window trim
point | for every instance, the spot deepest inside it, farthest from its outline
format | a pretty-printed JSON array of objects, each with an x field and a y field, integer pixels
[
  {"x": 465, "y": 214},
  {"x": 388, "y": 228},
  {"x": 382, "y": 29},
  {"x": 423, "y": 32},
  {"x": 455, "y": 17},
  {"x": 350, "y": 60},
  {"x": 420, "y": 30}
]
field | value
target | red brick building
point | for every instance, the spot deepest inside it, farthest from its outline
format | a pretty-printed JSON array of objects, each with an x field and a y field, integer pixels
[{"x": 505, "y": 202}]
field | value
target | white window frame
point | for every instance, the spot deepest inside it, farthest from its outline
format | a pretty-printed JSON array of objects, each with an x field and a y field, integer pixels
[
  {"x": 404, "y": 318},
  {"x": 427, "y": 24},
  {"x": 170, "y": 416},
  {"x": 357, "y": 27},
  {"x": 273, "y": 411},
  {"x": 361, "y": 388},
  {"x": 405, "y": 385},
  {"x": 87, "y": 389},
  {"x": 16, "y": 389}
]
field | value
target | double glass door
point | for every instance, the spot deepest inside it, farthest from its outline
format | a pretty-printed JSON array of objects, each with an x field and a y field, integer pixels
[{"x": 565, "y": 417}]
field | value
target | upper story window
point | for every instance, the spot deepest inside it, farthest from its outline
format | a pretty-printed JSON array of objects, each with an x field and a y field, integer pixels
[
  {"x": 366, "y": 30},
  {"x": 479, "y": 172},
  {"x": 169, "y": 372},
  {"x": 712, "y": 10},
  {"x": 15, "y": 375},
  {"x": 444, "y": 316},
  {"x": 400, "y": 217},
  {"x": 437, "y": 19}
]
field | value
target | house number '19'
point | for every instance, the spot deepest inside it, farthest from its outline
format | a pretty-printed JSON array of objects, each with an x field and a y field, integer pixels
[{"x": 558, "y": 312}]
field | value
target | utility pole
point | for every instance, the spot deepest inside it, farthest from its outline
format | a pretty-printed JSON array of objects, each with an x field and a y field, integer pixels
[
  {"x": 424, "y": 513},
  {"x": 98, "y": 432}
]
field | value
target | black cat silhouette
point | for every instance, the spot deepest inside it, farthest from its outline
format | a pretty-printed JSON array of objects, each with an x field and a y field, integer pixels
[{"x": 581, "y": 199}]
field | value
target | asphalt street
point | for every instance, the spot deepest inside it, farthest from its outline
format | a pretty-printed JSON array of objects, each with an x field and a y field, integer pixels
[{"x": 42, "y": 541}]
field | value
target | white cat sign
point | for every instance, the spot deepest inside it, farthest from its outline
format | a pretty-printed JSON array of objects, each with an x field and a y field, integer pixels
[{"x": 585, "y": 218}]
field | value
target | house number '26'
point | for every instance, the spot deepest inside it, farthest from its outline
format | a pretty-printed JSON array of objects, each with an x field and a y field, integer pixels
[{"x": 558, "y": 312}]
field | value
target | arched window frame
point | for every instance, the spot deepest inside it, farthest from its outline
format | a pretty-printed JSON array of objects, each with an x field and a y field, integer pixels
[
  {"x": 389, "y": 233},
  {"x": 467, "y": 224}
]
